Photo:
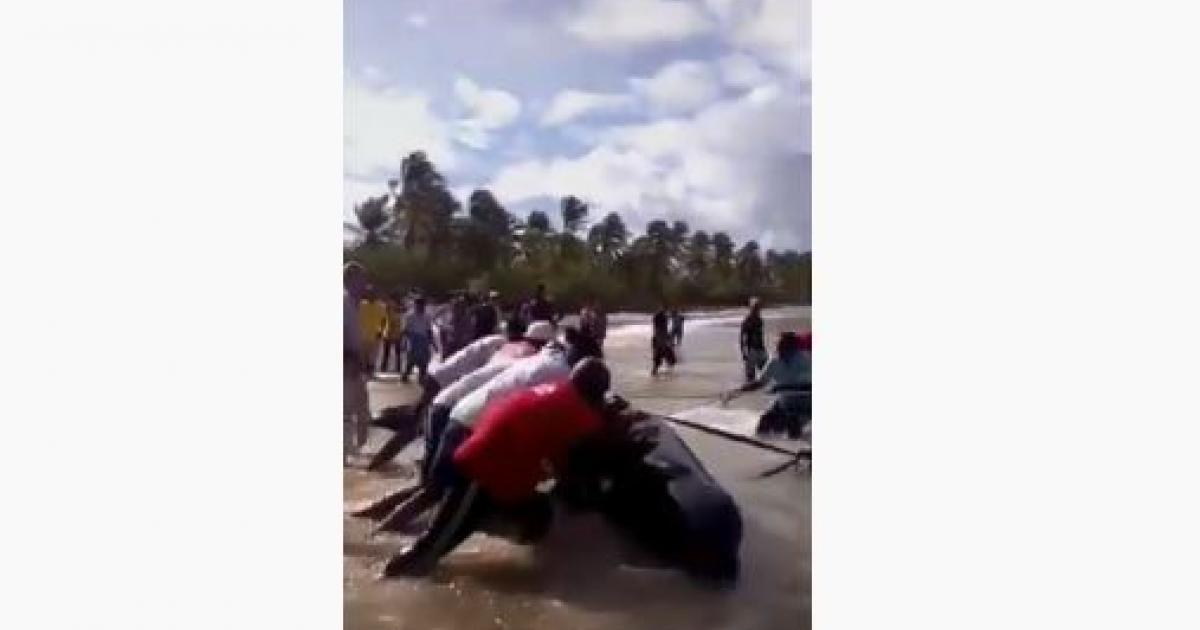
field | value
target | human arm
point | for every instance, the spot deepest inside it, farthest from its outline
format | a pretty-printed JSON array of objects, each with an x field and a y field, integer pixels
[{"x": 767, "y": 375}]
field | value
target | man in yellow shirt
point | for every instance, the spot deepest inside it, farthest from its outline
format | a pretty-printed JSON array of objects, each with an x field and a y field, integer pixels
[
  {"x": 393, "y": 336},
  {"x": 372, "y": 321}
]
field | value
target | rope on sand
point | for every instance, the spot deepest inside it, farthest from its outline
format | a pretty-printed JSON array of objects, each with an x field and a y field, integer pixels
[{"x": 744, "y": 439}]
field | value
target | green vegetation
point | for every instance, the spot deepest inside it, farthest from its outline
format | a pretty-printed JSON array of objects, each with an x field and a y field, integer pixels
[{"x": 425, "y": 239}]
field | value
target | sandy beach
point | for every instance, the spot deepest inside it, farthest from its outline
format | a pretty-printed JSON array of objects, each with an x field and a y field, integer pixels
[{"x": 584, "y": 576}]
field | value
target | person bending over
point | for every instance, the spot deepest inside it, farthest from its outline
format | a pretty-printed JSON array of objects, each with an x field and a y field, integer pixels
[
  {"x": 518, "y": 442},
  {"x": 790, "y": 376},
  {"x": 553, "y": 362},
  {"x": 449, "y": 382}
]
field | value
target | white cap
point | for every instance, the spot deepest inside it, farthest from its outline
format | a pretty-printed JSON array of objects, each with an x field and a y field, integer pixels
[{"x": 540, "y": 331}]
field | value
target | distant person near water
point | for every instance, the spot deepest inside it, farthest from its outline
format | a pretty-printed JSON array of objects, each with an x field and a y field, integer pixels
[
  {"x": 593, "y": 322},
  {"x": 661, "y": 348},
  {"x": 754, "y": 350},
  {"x": 418, "y": 337},
  {"x": 356, "y": 366},
  {"x": 677, "y": 327}
]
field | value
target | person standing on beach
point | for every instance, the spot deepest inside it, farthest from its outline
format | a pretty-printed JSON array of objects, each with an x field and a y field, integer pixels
[
  {"x": 593, "y": 322},
  {"x": 393, "y": 336},
  {"x": 540, "y": 308},
  {"x": 485, "y": 317},
  {"x": 677, "y": 327},
  {"x": 754, "y": 351},
  {"x": 372, "y": 318},
  {"x": 418, "y": 337},
  {"x": 356, "y": 367},
  {"x": 661, "y": 348},
  {"x": 457, "y": 328}
]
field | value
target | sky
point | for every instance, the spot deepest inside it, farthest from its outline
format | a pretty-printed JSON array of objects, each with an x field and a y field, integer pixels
[{"x": 696, "y": 110}]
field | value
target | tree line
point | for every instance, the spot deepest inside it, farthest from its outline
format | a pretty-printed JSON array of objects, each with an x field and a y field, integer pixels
[{"x": 418, "y": 236}]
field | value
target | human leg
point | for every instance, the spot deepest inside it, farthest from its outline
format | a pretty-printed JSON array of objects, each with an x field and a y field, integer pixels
[
  {"x": 458, "y": 516},
  {"x": 435, "y": 425}
]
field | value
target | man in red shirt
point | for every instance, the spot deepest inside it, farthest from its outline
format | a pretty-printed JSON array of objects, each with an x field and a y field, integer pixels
[{"x": 518, "y": 442}]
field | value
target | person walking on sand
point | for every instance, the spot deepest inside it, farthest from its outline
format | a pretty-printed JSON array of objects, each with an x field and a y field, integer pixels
[
  {"x": 660, "y": 342},
  {"x": 519, "y": 442},
  {"x": 356, "y": 414},
  {"x": 418, "y": 338},
  {"x": 750, "y": 339}
]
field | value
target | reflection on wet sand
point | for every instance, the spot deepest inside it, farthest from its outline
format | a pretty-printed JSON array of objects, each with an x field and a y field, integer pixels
[{"x": 583, "y": 575}]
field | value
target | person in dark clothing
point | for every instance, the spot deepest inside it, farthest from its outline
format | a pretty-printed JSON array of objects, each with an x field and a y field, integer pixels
[
  {"x": 486, "y": 316},
  {"x": 661, "y": 348},
  {"x": 754, "y": 351},
  {"x": 789, "y": 374},
  {"x": 540, "y": 308},
  {"x": 496, "y": 471},
  {"x": 677, "y": 327}
]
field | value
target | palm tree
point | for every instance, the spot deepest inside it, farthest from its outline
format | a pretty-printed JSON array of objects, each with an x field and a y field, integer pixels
[
  {"x": 750, "y": 265},
  {"x": 609, "y": 238},
  {"x": 425, "y": 201},
  {"x": 373, "y": 225},
  {"x": 699, "y": 252},
  {"x": 722, "y": 252},
  {"x": 488, "y": 234},
  {"x": 574, "y": 212},
  {"x": 539, "y": 221}
]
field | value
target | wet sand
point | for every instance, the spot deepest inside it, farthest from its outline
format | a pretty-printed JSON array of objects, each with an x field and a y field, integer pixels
[{"x": 584, "y": 576}]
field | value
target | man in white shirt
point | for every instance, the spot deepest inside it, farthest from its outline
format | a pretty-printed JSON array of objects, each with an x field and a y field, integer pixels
[
  {"x": 447, "y": 383},
  {"x": 552, "y": 363}
]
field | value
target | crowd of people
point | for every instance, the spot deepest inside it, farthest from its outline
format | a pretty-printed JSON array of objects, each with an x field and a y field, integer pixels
[{"x": 509, "y": 408}]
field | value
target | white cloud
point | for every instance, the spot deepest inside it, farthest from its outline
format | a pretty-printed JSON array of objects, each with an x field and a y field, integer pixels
[
  {"x": 739, "y": 165},
  {"x": 740, "y": 70},
  {"x": 418, "y": 20},
  {"x": 680, "y": 86},
  {"x": 492, "y": 109},
  {"x": 571, "y": 104},
  {"x": 621, "y": 23},
  {"x": 778, "y": 31},
  {"x": 383, "y": 125},
  {"x": 487, "y": 110}
]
